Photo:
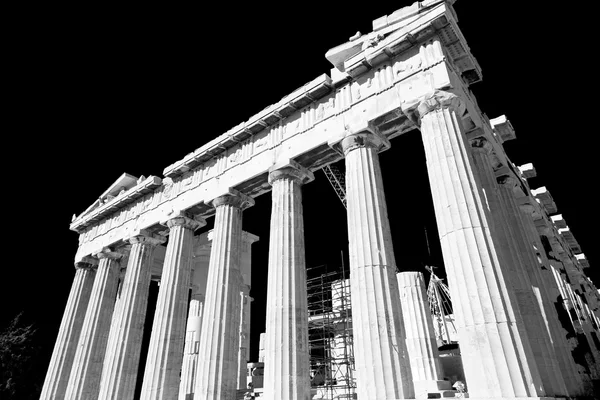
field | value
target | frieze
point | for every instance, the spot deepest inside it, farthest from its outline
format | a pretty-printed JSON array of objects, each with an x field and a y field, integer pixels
[{"x": 306, "y": 128}]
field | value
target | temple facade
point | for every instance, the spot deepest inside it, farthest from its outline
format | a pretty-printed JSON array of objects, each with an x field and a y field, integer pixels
[{"x": 527, "y": 317}]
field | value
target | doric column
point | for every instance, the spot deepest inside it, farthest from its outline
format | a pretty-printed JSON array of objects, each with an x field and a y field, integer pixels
[
  {"x": 65, "y": 347},
  {"x": 84, "y": 382},
  {"x": 563, "y": 335},
  {"x": 165, "y": 355},
  {"x": 191, "y": 347},
  {"x": 244, "y": 332},
  {"x": 420, "y": 337},
  {"x": 382, "y": 364},
  {"x": 287, "y": 369},
  {"x": 557, "y": 355},
  {"x": 514, "y": 259},
  {"x": 121, "y": 362},
  {"x": 497, "y": 360},
  {"x": 218, "y": 355}
]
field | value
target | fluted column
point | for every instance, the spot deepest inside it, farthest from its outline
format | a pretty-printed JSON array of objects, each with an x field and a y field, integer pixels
[
  {"x": 244, "y": 332},
  {"x": 191, "y": 347},
  {"x": 382, "y": 364},
  {"x": 497, "y": 360},
  {"x": 216, "y": 378},
  {"x": 84, "y": 382},
  {"x": 420, "y": 337},
  {"x": 513, "y": 256},
  {"x": 122, "y": 358},
  {"x": 521, "y": 229},
  {"x": 165, "y": 355},
  {"x": 287, "y": 366},
  {"x": 65, "y": 347}
]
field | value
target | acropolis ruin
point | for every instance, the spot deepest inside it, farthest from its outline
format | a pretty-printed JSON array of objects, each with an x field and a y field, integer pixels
[{"x": 527, "y": 317}]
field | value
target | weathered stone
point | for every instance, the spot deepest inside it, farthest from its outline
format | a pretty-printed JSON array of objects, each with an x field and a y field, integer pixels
[
  {"x": 191, "y": 348},
  {"x": 122, "y": 358},
  {"x": 217, "y": 372},
  {"x": 165, "y": 356},
  {"x": 286, "y": 339},
  {"x": 420, "y": 337},
  {"x": 382, "y": 365},
  {"x": 483, "y": 301},
  {"x": 84, "y": 382},
  {"x": 59, "y": 370}
]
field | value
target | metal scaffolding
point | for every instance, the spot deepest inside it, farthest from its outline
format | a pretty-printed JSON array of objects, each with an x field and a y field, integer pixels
[{"x": 330, "y": 333}]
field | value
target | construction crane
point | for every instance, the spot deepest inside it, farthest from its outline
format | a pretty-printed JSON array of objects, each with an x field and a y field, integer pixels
[
  {"x": 337, "y": 180},
  {"x": 440, "y": 305}
]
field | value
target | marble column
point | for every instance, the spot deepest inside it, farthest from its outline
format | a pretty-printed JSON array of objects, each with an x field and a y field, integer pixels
[
  {"x": 165, "y": 355},
  {"x": 57, "y": 377},
  {"x": 513, "y": 256},
  {"x": 562, "y": 330},
  {"x": 287, "y": 369},
  {"x": 420, "y": 337},
  {"x": 121, "y": 362},
  {"x": 216, "y": 376},
  {"x": 382, "y": 364},
  {"x": 497, "y": 359},
  {"x": 521, "y": 229},
  {"x": 244, "y": 332},
  {"x": 84, "y": 382},
  {"x": 191, "y": 347}
]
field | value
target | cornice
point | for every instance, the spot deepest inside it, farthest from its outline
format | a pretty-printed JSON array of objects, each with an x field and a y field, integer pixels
[
  {"x": 305, "y": 95},
  {"x": 143, "y": 188}
]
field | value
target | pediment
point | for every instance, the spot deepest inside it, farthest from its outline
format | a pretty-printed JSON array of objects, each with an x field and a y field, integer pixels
[{"x": 122, "y": 184}]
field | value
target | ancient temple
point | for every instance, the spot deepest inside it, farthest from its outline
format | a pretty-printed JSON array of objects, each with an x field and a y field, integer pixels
[{"x": 527, "y": 316}]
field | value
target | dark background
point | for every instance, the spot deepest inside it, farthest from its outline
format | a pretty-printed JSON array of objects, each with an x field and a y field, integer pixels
[{"x": 98, "y": 90}]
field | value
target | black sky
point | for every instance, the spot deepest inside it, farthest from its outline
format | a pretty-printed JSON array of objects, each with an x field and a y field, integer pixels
[{"x": 97, "y": 90}]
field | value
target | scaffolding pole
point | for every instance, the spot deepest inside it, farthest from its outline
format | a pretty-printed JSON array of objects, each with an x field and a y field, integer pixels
[{"x": 330, "y": 333}]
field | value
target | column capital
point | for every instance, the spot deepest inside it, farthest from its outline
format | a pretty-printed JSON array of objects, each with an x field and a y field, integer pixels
[
  {"x": 109, "y": 254},
  {"x": 364, "y": 139},
  {"x": 146, "y": 238},
  {"x": 87, "y": 262},
  {"x": 440, "y": 100},
  {"x": 234, "y": 198},
  {"x": 290, "y": 169},
  {"x": 433, "y": 101},
  {"x": 181, "y": 218}
]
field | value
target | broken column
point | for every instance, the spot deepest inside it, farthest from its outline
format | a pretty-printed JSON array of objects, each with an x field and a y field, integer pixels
[
  {"x": 420, "y": 337},
  {"x": 244, "y": 336},
  {"x": 191, "y": 347}
]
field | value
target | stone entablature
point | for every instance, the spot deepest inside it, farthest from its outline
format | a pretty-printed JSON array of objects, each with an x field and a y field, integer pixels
[{"x": 301, "y": 127}]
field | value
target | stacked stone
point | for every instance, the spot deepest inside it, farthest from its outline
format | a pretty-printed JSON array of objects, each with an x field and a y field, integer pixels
[
  {"x": 497, "y": 358},
  {"x": 57, "y": 377},
  {"x": 217, "y": 371},
  {"x": 382, "y": 365},
  {"x": 165, "y": 356},
  {"x": 84, "y": 382},
  {"x": 286, "y": 339},
  {"x": 119, "y": 374},
  {"x": 420, "y": 336},
  {"x": 191, "y": 348}
]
